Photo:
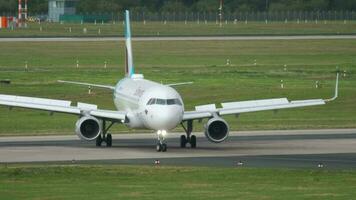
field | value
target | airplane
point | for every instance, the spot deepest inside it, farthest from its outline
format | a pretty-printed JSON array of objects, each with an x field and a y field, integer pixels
[{"x": 144, "y": 104}]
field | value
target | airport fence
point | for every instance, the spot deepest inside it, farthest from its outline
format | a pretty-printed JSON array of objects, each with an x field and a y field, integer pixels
[
  {"x": 243, "y": 16},
  {"x": 204, "y": 16}
]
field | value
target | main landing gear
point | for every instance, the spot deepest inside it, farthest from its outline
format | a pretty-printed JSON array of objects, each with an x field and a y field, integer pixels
[
  {"x": 105, "y": 136},
  {"x": 161, "y": 145},
  {"x": 188, "y": 138}
]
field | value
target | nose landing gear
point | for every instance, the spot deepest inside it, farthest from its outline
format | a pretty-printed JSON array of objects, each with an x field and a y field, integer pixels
[
  {"x": 189, "y": 138},
  {"x": 161, "y": 145}
]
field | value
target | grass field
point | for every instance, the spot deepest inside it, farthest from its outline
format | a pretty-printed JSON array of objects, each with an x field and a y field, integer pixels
[
  {"x": 182, "y": 29},
  {"x": 203, "y": 62},
  {"x": 144, "y": 182}
]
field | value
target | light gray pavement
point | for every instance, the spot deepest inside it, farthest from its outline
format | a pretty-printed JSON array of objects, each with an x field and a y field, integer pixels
[
  {"x": 301, "y": 146},
  {"x": 188, "y": 38}
]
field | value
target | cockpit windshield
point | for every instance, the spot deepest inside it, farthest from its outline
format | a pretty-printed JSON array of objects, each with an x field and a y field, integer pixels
[{"x": 154, "y": 101}]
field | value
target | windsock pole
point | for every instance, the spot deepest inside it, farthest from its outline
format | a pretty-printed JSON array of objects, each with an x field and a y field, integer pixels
[
  {"x": 25, "y": 11},
  {"x": 20, "y": 10}
]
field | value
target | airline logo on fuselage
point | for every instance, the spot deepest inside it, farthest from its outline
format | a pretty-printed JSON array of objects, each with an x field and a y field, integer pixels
[{"x": 139, "y": 92}]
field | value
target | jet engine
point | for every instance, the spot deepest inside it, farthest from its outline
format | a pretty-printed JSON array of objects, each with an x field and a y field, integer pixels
[
  {"x": 216, "y": 130},
  {"x": 88, "y": 128}
]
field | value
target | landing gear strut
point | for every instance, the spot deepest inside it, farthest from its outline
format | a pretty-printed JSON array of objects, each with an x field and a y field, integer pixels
[
  {"x": 188, "y": 138},
  {"x": 161, "y": 145},
  {"x": 105, "y": 136}
]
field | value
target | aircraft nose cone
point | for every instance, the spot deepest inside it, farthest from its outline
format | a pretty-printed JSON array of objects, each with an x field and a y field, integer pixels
[{"x": 166, "y": 118}]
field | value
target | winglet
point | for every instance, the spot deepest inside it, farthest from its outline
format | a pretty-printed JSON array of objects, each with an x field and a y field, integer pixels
[
  {"x": 336, "y": 89},
  {"x": 129, "y": 66}
]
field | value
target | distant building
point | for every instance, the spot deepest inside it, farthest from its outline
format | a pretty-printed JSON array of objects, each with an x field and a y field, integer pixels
[{"x": 56, "y": 8}]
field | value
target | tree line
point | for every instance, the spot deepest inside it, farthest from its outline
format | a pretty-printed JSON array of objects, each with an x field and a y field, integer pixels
[{"x": 232, "y": 6}]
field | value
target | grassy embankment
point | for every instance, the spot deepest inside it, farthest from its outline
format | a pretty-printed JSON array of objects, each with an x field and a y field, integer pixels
[
  {"x": 182, "y": 29},
  {"x": 143, "y": 182},
  {"x": 203, "y": 62}
]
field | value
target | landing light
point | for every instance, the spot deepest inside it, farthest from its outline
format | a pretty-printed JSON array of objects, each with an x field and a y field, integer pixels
[{"x": 164, "y": 133}]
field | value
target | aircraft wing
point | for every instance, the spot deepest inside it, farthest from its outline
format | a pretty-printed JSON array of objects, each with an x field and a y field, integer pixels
[
  {"x": 60, "y": 106},
  {"x": 208, "y": 111}
]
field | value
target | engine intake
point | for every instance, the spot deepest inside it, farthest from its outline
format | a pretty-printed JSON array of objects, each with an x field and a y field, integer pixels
[
  {"x": 88, "y": 128},
  {"x": 216, "y": 130}
]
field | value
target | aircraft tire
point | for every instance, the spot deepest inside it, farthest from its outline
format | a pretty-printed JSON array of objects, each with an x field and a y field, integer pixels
[
  {"x": 164, "y": 147},
  {"x": 99, "y": 140},
  {"x": 193, "y": 141},
  {"x": 183, "y": 141},
  {"x": 159, "y": 147},
  {"x": 109, "y": 140}
]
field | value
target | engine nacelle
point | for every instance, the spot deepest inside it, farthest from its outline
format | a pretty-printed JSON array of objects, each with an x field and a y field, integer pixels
[
  {"x": 216, "y": 130},
  {"x": 88, "y": 128}
]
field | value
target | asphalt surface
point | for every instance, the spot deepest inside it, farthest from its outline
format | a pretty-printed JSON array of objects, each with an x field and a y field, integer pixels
[
  {"x": 293, "y": 149},
  {"x": 187, "y": 38}
]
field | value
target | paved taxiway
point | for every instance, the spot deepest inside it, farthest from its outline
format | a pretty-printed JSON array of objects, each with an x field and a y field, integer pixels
[
  {"x": 184, "y": 38},
  {"x": 306, "y": 148}
]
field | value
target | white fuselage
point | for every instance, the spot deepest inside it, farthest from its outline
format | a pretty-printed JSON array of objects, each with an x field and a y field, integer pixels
[{"x": 148, "y": 104}]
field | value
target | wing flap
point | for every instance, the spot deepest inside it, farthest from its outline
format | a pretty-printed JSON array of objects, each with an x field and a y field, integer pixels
[
  {"x": 196, "y": 115},
  {"x": 206, "y": 108},
  {"x": 85, "y": 106},
  {"x": 255, "y": 103},
  {"x": 292, "y": 104},
  {"x": 117, "y": 115}
]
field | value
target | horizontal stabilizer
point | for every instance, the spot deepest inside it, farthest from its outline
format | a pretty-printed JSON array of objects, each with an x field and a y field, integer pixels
[
  {"x": 88, "y": 84},
  {"x": 179, "y": 84}
]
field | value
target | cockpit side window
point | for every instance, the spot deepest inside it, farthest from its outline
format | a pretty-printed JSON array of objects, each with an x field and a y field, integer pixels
[
  {"x": 177, "y": 101},
  {"x": 151, "y": 102}
]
